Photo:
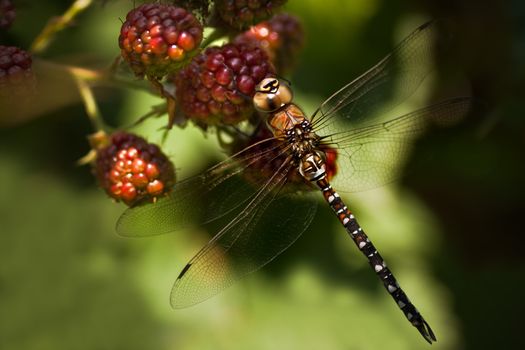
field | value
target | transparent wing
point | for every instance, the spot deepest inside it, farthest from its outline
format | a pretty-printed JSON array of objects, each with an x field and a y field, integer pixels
[
  {"x": 205, "y": 197},
  {"x": 387, "y": 84},
  {"x": 372, "y": 156},
  {"x": 254, "y": 238}
]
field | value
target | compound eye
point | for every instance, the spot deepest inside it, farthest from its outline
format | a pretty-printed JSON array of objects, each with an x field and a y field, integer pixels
[
  {"x": 268, "y": 85},
  {"x": 270, "y": 95}
]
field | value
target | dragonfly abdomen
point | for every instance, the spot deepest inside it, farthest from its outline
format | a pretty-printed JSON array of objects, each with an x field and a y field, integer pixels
[{"x": 375, "y": 260}]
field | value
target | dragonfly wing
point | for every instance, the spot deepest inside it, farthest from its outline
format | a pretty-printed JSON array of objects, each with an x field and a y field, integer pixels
[
  {"x": 267, "y": 227},
  {"x": 373, "y": 156},
  {"x": 384, "y": 86},
  {"x": 202, "y": 198}
]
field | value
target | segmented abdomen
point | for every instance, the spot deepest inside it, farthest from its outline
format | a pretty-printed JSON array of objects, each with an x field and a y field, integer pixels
[{"x": 374, "y": 259}]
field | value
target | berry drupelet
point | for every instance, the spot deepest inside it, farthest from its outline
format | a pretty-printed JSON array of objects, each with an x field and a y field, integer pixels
[
  {"x": 157, "y": 39},
  {"x": 217, "y": 86},
  {"x": 7, "y": 13},
  {"x": 240, "y": 14},
  {"x": 132, "y": 170},
  {"x": 282, "y": 37}
]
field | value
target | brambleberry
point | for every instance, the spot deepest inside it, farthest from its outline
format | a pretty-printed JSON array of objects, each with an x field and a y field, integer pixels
[
  {"x": 16, "y": 76},
  {"x": 217, "y": 86},
  {"x": 157, "y": 39},
  {"x": 240, "y": 14},
  {"x": 282, "y": 37},
  {"x": 132, "y": 170}
]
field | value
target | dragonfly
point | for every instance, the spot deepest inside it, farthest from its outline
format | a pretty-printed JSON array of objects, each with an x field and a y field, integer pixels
[{"x": 256, "y": 185}]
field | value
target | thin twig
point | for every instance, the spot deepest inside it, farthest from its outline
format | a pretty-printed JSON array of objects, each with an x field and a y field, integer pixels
[
  {"x": 90, "y": 104},
  {"x": 57, "y": 24}
]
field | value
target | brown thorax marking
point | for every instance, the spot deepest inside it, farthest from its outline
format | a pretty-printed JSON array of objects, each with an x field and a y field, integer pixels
[
  {"x": 291, "y": 125},
  {"x": 288, "y": 123}
]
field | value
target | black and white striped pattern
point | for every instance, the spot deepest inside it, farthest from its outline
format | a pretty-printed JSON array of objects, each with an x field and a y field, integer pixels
[{"x": 374, "y": 259}]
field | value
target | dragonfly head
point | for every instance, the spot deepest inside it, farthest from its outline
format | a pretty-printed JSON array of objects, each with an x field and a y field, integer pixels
[{"x": 271, "y": 94}]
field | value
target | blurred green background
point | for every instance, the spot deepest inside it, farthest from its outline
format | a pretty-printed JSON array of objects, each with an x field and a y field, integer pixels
[{"x": 452, "y": 230}]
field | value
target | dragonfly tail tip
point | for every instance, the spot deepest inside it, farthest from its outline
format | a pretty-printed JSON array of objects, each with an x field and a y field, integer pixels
[{"x": 426, "y": 331}]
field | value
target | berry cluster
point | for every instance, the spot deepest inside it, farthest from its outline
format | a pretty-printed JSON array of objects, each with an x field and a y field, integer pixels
[
  {"x": 214, "y": 87},
  {"x": 132, "y": 170},
  {"x": 209, "y": 85}
]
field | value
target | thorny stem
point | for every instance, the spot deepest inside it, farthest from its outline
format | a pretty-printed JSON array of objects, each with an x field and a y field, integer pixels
[{"x": 57, "y": 24}]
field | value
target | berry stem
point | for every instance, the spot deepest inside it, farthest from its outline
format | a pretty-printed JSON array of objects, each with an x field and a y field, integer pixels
[
  {"x": 156, "y": 111},
  {"x": 57, "y": 24},
  {"x": 105, "y": 78},
  {"x": 90, "y": 105},
  {"x": 170, "y": 100}
]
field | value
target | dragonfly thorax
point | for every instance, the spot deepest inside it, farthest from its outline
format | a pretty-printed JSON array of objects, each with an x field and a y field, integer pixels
[
  {"x": 312, "y": 166},
  {"x": 304, "y": 144},
  {"x": 301, "y": 138}
]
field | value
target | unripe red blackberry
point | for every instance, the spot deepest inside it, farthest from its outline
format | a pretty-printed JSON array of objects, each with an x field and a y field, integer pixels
[
  {"x": 282, "y": 37},
  {"x": 157, "y": 39},
  {"x": 132, "y": 170},
  {"x": 217, "y": 86},
  {"x": 16, "y": 76},
  {"x": 240, "y": 14},
  {"x": 7, "y": 13}
]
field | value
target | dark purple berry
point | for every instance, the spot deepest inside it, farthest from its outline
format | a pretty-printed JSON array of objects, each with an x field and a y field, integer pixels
[
  {"x": 217, "y": 86},
  {"x": 16, "y": 76}
]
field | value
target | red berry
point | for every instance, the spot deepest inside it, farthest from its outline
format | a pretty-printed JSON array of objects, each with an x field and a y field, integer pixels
[
  {"x": 241, "y": 14},
  {"x": 7, "y": 13},
  {"x": 282, "y": 37},
  {"x": 132, "y": 170},
  {"x": 157, "y": 39},
  {"x": 217, "y": 86}
]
